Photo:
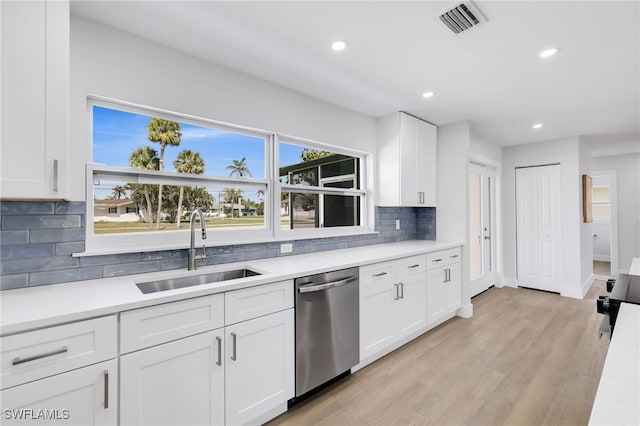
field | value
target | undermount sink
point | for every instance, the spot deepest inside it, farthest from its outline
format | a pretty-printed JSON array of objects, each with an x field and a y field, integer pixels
[{"x": 208, "y": 278}]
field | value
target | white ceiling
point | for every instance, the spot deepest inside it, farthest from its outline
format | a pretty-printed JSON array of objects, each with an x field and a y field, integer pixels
[{"x": 490, "y": 75}]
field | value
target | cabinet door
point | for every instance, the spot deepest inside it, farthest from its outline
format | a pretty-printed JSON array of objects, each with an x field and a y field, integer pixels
[
  {"x": 453, "y": 289},
  {"x": 435, "y": 294},
  {"x": 409, "y": 162},
  {"x": 86, "y": 396},
  {"x": 35, "y": 83},
  {"x": 376, "y": 316},
  {"x": 177, "y": 383},
  {"x": 411, "y": 308},
  {"x": 259, "y": 366},
  {"x": 426, "y": 154}
]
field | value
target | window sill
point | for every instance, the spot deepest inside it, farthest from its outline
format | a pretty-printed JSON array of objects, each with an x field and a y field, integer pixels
[{"x": 213, "y": 243}]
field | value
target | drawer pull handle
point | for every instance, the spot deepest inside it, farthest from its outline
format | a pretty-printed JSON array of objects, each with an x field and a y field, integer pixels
[
  {"x": 233, "y": 354},
  {"x": 436, "y": 260},
  {"x": 414, "y": 266},
  {"x": 397, "y": 296},
  {"x": 454, "y": 256},
  {"x": 106, "y": 389},
  {"x": 18, "y": 361},
  {"x": 55, "y": 175},
  {"x": 380, "y": 274},
  {"x": 219, "y": 361},
  {"x": 401, "y": 290}
]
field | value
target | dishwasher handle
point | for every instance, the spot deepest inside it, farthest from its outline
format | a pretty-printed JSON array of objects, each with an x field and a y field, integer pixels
[{"x": 320, "y": 287}]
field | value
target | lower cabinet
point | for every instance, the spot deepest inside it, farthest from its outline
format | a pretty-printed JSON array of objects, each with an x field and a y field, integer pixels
[
  {"x": 444, "y": 284},
  {"x": 259, "y": 366},
  {"x": 176, "y": 383},
  {"x": 393, "y": 297},
  {"x": 231, "y": 375},
  {"x": 86, "y": 396}
]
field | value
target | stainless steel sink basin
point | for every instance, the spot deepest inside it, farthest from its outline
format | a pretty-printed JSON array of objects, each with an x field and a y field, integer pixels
[{"x": 180, "y": 282}]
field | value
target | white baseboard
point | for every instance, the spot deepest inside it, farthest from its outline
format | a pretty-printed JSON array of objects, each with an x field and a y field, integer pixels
[
  {"x": 587, "y": 285},
  {"x": 602, "y": 258},
  {"x": 623, "y": 271},
  {"x": 573, "y": 292},
  {"x": 269, "y": 415},
  {"x": 510, "y": 282},
  {"x": 466, "y": 311}
]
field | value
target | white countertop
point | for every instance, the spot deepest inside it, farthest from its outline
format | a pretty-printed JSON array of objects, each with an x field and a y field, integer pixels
[
  {"x": 635, "y": 266},
  {"x": 36, "y": 307},
  {"x": 618, "y": 398}
]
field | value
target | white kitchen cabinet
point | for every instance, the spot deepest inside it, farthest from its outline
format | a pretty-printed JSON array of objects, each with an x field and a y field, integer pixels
[
  {"x": 392, "y": 303},
  {"x": 35, "y": 99},
  {"x": 444, "y": 284},
  {"x": 259, "y": 366},
  {"x": 176, "y": 383},
  {"x": 407, "y": 158},
  {"x": 86, "y": 396}
]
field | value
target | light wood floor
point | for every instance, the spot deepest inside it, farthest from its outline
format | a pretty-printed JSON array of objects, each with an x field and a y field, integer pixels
[
  {"x": 601, "y": 268},
  {"x": 525, "y": 358}
]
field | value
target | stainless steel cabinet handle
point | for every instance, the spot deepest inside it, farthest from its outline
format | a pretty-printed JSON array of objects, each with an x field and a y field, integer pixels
[
  {"x": 233, "y": 353},
  {"x": 106, "y": 389},
  {"x": 436, "y": 260},
  {"x": 397, "y": 296},
  {"x": 319, "y": 287},
  {"x": 219, "y": 361},
  {"x": 413, "y": 266},
  {"x": 380, "y": 274},
  {"x": 421, "y": 197},
  {"x": 454, "y": 256},
  {"x": 401, "y": 290},
  {"x": 17, "y": 361},
  {"x": 448, "y": 275},
  {"x": 55, "y": 175},
  {"x": 444, "y": 271}
]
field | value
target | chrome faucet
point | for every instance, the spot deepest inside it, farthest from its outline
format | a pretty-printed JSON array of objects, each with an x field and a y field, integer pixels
[{"x": 193, "y": 258}]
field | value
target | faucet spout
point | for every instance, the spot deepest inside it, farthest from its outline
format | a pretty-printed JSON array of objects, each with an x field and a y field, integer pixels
[{"x": 192, "y": 248}]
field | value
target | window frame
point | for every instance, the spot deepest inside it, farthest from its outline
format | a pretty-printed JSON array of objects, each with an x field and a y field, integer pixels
[{"x": 169, "y": 240}]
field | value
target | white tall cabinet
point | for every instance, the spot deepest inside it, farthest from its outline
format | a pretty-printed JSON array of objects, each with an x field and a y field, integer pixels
[
  {"x": 407, "y": 159},
  {"x": 35, "y": 99}
]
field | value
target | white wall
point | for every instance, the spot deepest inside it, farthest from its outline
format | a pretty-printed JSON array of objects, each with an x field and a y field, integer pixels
[
  {"x": 628, "y": 200},
  {"x": 484, "y": 152},
  {"x": 114, "y": 64},
  {"x": 452, "y": 223},
  {"x": 586, "y": 229},
  {"x": 565, "y": 152}
]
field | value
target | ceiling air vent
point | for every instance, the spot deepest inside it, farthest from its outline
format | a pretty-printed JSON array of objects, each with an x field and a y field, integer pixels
[{"x": 462, "y": 17}]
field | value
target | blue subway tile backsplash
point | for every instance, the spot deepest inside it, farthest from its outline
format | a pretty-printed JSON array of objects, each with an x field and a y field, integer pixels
[{"x": 37, "y": 240}]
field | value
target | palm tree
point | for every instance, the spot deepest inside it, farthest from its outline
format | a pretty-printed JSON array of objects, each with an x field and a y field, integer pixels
[
  {"x": 187, "y": 161},
  {"x": 145, "y": 158},
  {"x": 118, "y": 192},
  {"x": 239, "y": 168},
  {"x": 231, "y": 195},
  {"x": 164, "y": 132}
]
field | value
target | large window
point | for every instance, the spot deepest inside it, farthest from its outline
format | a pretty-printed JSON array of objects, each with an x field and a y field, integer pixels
[{"x": 152, "y": 169}]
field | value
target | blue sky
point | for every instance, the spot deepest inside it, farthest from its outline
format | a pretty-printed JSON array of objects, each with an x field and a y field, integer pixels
[{"x": 116, "y": 134}]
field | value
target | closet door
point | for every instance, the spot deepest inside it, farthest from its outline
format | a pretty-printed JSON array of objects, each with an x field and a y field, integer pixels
[{"x": 539, "y": 254}]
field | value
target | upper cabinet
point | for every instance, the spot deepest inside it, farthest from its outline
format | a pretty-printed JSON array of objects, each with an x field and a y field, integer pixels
[
  {"x": 35, "y": 99},
  {"x": 407, "y": 148}
]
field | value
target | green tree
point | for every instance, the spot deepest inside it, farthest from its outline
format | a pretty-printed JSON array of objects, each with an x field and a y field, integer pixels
[
  {"x": 145, "y": 158},
  {"x": 239, "y": 168},
  {"x": 118, "y": 192},
  {"x": 231, "y": 195},
  {"x": 164, "y": 132},
  {"x": 313, "y": 154},
  {"x": 187, "y": 161}
]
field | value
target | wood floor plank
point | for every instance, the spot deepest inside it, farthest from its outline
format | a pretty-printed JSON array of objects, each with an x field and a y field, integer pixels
[{"x": 525, "y": 358}]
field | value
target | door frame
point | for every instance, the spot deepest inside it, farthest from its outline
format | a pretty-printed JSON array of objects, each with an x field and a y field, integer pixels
[
  {"x": 484, "y": 167},
  {"x": 613, "y": 220}
]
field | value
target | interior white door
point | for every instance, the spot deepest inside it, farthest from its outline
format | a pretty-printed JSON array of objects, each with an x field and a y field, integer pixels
[
  {"x": 481, "y": 226},
  {"x": 538, "y": 216}
]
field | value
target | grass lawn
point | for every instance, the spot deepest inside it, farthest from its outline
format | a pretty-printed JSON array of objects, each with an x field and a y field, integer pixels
[{"x": 128, "y": 227}]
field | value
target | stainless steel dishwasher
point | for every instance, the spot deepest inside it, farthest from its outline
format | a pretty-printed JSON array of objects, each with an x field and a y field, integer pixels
[{"x": 327, "y": 327}]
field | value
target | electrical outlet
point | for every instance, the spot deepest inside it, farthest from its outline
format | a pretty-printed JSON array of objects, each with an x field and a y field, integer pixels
[
  {"x": 286, "y": 248},
  {"x": 397, "y": 224}
]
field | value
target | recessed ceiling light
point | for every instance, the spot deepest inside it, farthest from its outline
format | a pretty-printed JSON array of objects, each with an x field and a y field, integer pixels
[
  {"x": 537, "y": 126},
  {"x": 549, "y": 52},
  {"x": 339, "y": 45},
  {"x": 428, "y": 94}
]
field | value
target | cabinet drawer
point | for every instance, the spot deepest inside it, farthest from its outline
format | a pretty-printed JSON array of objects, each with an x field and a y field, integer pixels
[
  {"x": 437, "y": 259},
  {"x": 253, "y": 302},
  {"x": 412, "y": 265},
  {"x": 377, "y": 273},
  {"x": 151, "y": 326},
  {"x": 453, "y": 255},
  {"x": 42, "y": 353}
]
